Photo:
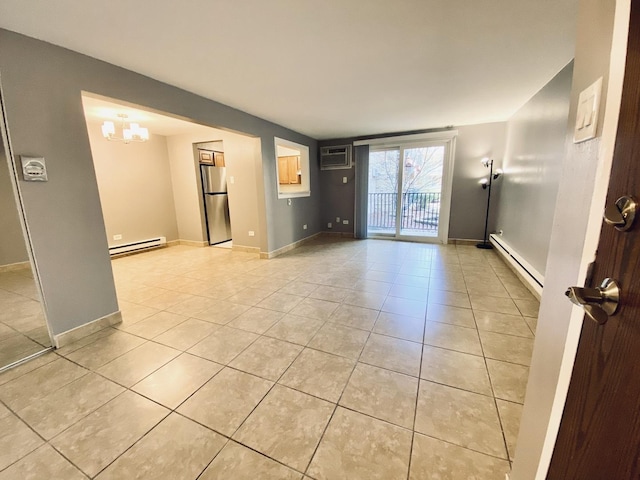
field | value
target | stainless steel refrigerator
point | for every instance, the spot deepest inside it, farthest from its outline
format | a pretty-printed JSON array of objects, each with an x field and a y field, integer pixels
[{"x": 216, "y": 203}]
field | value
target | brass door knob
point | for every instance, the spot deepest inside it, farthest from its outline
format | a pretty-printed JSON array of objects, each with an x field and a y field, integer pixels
[
  {"x": 598, "y": 303},
  {"x": 622, "y": 213}
]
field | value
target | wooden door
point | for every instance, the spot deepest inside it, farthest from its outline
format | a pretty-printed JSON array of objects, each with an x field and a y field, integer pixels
[{"x": 599, "y": 435}]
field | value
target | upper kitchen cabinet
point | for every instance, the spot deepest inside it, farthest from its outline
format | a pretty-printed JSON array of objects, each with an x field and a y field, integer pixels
[
  {"x": 292, "y": 169},
  {"x": 289, "y": 170}
]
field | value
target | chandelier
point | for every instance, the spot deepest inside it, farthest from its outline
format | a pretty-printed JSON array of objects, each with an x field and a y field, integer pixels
[{"x": 131, "y": 132}]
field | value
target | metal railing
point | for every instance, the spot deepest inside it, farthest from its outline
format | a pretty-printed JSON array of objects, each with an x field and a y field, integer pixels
[{"x": 420, "y": 211}]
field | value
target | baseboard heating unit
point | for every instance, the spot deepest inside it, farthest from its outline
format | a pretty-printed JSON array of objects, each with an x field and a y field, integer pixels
[
  {"x": 137, "y": 246},
  {"x": 526, "y": 271}
]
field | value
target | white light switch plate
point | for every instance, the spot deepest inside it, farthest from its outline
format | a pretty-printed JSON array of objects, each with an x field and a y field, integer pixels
[{"x": 587, "y": 114}]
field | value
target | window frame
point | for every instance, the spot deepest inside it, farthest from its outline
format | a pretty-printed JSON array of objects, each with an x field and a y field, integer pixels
[{"x": 293, "y": 190}]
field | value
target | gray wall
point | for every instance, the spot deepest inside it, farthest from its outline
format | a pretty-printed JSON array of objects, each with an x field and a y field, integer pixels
[
  {"x": 535, "y": 148},
  {"x": 42, "y": 87},
  {"x": 12, "y": 245},
  {"x": 134, "y": 181},
  {"x": 338, "y": 199},
  {"x": 468, "y": 201}
]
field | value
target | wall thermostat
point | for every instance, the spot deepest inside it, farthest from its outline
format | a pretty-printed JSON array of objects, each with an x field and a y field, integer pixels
[{"x": 33, "y": 169}]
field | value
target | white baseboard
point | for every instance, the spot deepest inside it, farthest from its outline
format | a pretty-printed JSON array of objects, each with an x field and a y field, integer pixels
[
  {"x": 338, "y": 234},
  {"x": 193, "y": 243},
  {"x": 531, "y": 278},
  {"x": 66, "y": 338},
  {"x": 242, "y": 248},
  {"x": 14, "y": 267},
  {"x": 288, "y": 248},
  {"x": 463, "y": 241}
]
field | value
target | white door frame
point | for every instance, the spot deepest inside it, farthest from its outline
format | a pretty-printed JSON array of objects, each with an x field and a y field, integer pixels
[{"x": 533, "y": 454}]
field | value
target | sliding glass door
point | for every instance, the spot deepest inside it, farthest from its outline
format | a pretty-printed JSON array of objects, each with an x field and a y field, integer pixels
[
  {"x": 407, "y": 191},
  {"x": 383, "y": 192},
  {"x": 421, "y": 190}
]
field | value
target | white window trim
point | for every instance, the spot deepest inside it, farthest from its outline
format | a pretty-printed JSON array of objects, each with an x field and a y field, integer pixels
[
  {"x": 403, "y": 140},
  {"x": 305, "y": 188},
  {"x": 448, "y": 140}
]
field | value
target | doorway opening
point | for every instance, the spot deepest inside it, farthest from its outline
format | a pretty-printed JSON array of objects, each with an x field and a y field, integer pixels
[
  {"x": 215, "y": 194},
  {"x": 151, "y": 187},
  {"x": 409, "y": 191}
]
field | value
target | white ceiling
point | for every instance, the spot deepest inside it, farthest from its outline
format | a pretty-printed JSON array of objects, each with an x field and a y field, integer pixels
[
  {"x": 97, "y": 110},
  {"x": 328, "y": 68}
]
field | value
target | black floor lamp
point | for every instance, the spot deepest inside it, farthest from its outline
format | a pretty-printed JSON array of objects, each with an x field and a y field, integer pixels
[{"x": 488, "y": 162}]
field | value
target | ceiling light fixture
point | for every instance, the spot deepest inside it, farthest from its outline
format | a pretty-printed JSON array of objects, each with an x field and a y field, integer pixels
[{"x": 131, "y": 132}]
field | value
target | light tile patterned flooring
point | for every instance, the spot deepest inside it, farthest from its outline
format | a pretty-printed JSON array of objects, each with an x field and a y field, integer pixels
[
  {"x": 341, "y": 360},
  {"x": 22, "y": 326}
]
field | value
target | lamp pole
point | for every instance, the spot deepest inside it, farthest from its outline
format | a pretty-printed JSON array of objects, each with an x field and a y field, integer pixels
[{"x": 485, "y": 244}]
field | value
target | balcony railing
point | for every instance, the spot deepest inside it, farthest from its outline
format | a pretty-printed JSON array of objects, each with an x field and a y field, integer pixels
[{"x": 420, "y": 211}]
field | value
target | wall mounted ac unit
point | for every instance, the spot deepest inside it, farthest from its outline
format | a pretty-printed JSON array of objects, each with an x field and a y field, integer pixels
[{"x": 335, "y": 158}]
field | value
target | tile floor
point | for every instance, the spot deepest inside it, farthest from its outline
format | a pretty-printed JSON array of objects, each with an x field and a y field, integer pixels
[
  {"x": 340, "y": 360},
  {"x": 22, "y": 326}
]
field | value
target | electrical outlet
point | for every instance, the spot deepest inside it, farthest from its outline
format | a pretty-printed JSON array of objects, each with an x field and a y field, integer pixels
[
  {"x": 344, "y": 179},
  {"x": 304, "y": 227},
  {"x": 329, "y": 225},
  {"x": 289, "y": 201},
  {"x": 337, "y": 219},
  {"x": 252, "y": 233},
  {"x": 345, "y": 222},
  {"x": 117, "y": 237}
]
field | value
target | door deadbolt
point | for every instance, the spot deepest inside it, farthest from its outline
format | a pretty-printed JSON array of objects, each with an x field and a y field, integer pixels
[
  {"x": 598, "y": 303},
  {"x": 622, "y": 213}
]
